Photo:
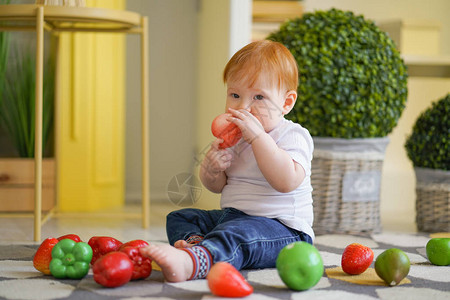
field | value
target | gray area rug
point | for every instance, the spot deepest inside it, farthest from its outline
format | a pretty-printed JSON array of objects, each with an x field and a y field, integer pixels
[{"x": 19, "y": 280}]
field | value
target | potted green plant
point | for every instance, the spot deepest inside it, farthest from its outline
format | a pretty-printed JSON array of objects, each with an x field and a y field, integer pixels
[
  {"x": 4, "y": 50},
  {"x": 17, "y": 102},
  {"x": 428, "y": 147},
  {"x": 352, "y": 91}
]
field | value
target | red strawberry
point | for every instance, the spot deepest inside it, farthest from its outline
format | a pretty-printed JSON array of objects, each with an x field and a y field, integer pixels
[
  {"x": 229, "y": 132},
  {"x": 43, "y": 256},
  {"x": 225, "y": 281},
  {"x": 73, "y": 237},
  {"x": 356, "y": 259}
]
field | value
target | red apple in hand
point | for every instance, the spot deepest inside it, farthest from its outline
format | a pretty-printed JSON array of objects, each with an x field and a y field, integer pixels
[
  {"x": 356, "y": 259},
  {"x": 228, "y": 131}
]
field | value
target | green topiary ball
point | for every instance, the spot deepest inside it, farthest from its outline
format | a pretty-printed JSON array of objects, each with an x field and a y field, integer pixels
[
  {"x": 429, "y": 144},
  {"x": 352, "y": 80}
]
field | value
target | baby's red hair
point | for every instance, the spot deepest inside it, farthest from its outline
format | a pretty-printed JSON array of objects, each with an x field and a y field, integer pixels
[{"x": 266, "y": 61}]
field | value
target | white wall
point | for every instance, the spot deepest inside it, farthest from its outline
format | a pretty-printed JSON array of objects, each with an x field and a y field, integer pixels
[
  {"x": 224, "y": 27},
  {"x": 172, "y": 93}
]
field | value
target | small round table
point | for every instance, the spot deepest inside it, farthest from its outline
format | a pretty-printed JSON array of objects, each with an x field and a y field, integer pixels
[{"x": 37, "y": 18}]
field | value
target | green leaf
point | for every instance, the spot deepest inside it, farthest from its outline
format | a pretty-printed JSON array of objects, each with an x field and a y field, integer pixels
[{"x": 17, "y": 105}]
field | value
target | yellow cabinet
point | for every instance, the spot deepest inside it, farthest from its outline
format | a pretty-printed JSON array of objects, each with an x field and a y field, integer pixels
[{"x": 90, "y": 125}]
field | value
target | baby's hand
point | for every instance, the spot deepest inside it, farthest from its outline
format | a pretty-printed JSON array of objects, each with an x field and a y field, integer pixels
[
  {"x": 249, "y": 125},
  {"x": 217, "y": 160}
]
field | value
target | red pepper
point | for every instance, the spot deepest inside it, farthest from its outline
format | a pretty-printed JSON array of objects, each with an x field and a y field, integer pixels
[
  {"x": 142, "y": 266},
  {"x": 134, "y": 243},
  {"x": 102, "y": 245},
  {"x": 113, "y": 269},
  {"x": 72, "y": 236}
]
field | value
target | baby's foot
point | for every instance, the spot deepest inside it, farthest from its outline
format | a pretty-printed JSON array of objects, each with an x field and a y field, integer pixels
[
  {"x": 176, "y": 265},
  {"x": 182, "y": 244}
]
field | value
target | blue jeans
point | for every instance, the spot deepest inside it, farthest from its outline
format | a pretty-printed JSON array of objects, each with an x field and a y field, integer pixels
[{"x": 246, "y": 242}]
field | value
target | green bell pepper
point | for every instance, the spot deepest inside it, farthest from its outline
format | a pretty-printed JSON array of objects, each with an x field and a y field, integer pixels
[{"x": 70, "y": 259}]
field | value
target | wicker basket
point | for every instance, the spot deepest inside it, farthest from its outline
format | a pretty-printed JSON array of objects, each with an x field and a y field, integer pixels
[
  {"x": 346, "y": 179},
  {"x": 432, "y": 200}
]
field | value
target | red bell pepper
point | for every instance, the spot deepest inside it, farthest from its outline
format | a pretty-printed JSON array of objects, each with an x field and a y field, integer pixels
[
  {"x": 102, "y": 245},
  {"x": 134, "y": 243},
  {"x": 113, "y": 269},
  {"x": 71, "y": 236},
  {"x": 142, "y": 266}
]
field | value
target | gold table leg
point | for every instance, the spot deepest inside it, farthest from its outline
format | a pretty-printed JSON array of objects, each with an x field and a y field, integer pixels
[
  {"x": 145, "y": 125},
  {"x": 38, "y": 123}
]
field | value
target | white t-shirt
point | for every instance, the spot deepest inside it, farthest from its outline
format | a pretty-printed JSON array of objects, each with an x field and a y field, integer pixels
[{"x": 248, "y": 190}]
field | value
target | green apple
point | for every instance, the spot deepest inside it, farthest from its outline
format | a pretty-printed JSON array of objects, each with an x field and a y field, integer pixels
[
  {"x": 392, "y": 266},
  {"x": 300, "y": 266},
  {"x": 438, "y": 251}
]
